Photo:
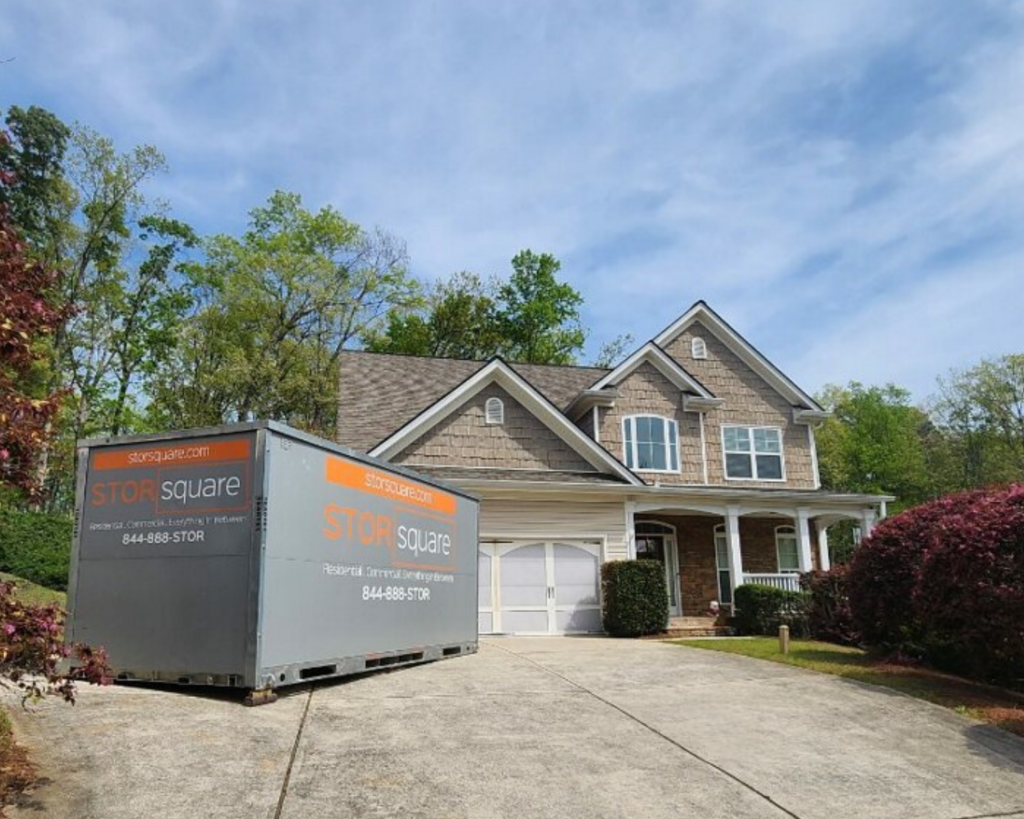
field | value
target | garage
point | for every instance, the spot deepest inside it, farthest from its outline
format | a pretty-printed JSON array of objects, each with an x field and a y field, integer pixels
[{"x": 540, "y": 587}]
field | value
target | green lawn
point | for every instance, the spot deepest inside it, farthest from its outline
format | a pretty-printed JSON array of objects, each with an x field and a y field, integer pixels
[
  {"x": 29, "y": 592},
  {"x": 982, "y": 702}
]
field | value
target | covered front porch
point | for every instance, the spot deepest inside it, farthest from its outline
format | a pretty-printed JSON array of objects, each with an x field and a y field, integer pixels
[{"x": 709, "y": 550}]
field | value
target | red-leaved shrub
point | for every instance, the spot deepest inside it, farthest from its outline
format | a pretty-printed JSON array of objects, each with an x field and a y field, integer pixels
[
  {"x": 884, "y": 570},
  {"x": 945, "y": 581},
  {"x": 828, "y": 614},
  {"x": 970, "y": 596},
  {"x": 32, "y": 650}
]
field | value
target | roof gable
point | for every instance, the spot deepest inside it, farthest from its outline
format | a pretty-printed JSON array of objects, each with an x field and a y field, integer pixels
[
  {"x": 665, "y": 364},
  {"x": 500, "y": 373},
  {"x": 750, "y": 355}
]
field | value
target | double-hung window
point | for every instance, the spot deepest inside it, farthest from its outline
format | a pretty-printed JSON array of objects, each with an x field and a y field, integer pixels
[
  {"x": 753, "y": 452},
  {"x": 786, "y": 549},
  {"x": 651, "y": 443}
]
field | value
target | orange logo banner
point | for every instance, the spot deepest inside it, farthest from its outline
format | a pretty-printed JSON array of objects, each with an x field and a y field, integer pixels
[
  {"x": 356, "y": 476},
  {"x": 180, "y": 454}
]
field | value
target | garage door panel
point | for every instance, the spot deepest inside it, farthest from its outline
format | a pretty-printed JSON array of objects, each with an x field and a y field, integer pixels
[
  {"x": 524, "y": 577},
  {"x": 578, "y": 620},
  {"x": 525, "y": 622},
  {"x": 484, "y": 570},
  {"x": 576, "y": 572}
]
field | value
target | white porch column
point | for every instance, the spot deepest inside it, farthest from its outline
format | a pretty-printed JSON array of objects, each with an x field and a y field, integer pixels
[
  {"x": 732, "y": 531},
  {"x": 867, "y": 523},
  {"x": 824, "y": 561},
  {"x": 630, "y": 530},
  {"x": 803, "y": 537}
]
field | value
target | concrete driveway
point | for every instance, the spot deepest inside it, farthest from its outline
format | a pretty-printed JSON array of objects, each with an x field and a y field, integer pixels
[{"x": 545, "y": 727}]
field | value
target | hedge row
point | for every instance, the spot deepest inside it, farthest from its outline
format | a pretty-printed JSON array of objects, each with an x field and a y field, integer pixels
[
  {"x": 36, "y": 546},
  {"x": 635, "y": 597},
  {"x": 945, "y": 582}
]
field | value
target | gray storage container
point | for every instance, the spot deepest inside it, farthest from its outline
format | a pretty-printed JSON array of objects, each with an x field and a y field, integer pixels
[{"x": 255, "y": 555}]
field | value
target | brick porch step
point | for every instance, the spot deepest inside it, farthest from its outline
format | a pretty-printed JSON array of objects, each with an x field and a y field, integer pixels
[{"x": 680, "y": 627}]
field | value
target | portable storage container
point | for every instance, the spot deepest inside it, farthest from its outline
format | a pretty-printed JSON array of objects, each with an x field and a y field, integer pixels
[{"x": 256, "y": 556}]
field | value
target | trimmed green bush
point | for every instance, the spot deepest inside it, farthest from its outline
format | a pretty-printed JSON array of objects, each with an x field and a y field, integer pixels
[
  {"x": 635, "y": 597},
  {"x": 762, "y": 609},
  {"x": 36, "y": 546}
]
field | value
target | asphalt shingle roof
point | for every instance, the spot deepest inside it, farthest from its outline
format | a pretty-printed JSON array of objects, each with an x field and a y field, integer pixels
[{"x": 381, "y": 392}]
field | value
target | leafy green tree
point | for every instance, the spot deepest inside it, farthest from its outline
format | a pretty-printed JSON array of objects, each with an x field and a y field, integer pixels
[
  {"x": 531, "y": 318},
  {"x": 981, "y": 412},
  {"x": 456, "y": 320},
  {"x": 275, "y": 309},
  {"x": 538, "y": 316},
  {"x": 38, "y": 196},
  {"x": 873, "y": 443}
]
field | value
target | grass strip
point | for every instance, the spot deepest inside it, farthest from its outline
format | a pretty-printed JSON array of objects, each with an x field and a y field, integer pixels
[{"x": 985, "y": 703}]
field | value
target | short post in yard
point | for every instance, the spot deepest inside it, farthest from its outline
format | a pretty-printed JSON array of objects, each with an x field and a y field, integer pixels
[{"x": 784, "y": 639}]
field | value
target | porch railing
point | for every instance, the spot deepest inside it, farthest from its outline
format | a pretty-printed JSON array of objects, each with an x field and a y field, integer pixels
[{"x": 786, "y": 582}]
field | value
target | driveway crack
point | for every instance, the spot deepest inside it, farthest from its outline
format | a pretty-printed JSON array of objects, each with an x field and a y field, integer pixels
[
  {"x": 294, "y": 753},
  {"x": 662, "y": 735}
]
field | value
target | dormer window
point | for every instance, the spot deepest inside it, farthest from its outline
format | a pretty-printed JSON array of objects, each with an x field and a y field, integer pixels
[
  {"x": 651, "y": 443},
  {"x": 494, "y": 411},
  {"x": 698, "y": 348}
]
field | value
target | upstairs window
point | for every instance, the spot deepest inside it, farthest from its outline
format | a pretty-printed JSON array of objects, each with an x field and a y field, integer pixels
[
  {"x": 787, "y": 549},
  {"x": 754, "y": 453},
  {"x": 698, "y": 349},
  {"x": 651, "y": 443},
  {"x": 494, "y": 411}
]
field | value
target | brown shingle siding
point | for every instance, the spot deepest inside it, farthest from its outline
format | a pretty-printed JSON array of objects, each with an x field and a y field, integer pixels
[
  {"x": 464, "y": 439},
  {"x": 749, "y": 400}
]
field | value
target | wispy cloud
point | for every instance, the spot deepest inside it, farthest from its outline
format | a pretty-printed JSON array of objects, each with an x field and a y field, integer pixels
[{"x": 842, "y": 181}]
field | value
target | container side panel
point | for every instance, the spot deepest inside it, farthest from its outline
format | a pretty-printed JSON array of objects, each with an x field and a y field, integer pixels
[
  {"x": 180, "y": 616},
  {"x": 163, "y": 553},
  {"x": 360, "y": 560}
]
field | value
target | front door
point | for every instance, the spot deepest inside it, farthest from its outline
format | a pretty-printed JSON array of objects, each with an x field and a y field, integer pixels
[{"x": 654, "y": 542}]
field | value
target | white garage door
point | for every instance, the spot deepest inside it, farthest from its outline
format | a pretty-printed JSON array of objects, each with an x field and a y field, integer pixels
[{"x": 539, "y": 587}]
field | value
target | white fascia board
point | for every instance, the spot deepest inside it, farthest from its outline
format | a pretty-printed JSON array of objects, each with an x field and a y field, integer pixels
[
  {"x": 741, "y": 347},
  {"x": 652, "y": 353},
  {"x": 806, "y": 416},
  {"x": 497, "y": 372}
]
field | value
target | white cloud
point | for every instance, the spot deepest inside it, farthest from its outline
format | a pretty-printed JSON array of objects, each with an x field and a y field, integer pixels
[{"x": 811, "y": 169}]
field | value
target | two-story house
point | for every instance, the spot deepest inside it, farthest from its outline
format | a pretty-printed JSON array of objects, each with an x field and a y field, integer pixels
[{"x": 695, "y": 451}]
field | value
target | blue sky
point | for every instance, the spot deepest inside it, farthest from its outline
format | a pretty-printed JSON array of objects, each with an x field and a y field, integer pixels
[{"x": 844, "y": 182}]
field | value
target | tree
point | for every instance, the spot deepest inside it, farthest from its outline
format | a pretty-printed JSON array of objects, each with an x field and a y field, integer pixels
[
  {"x": 612, "y": 352},
  {"x": 457, "y": 320},
  {"x": 27, "y": 317},
  {"x": 38, "y": 196},
  {"x": 981, "y": 411},
  {"x": 275, "y": 309},
  {"x": 873, "y": 443},
  {"x": 538, "y": 316}
]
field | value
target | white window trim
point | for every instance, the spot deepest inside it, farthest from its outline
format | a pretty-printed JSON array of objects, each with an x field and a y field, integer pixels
[
  {"x": 720, "y": 531},
  {"x": 698, "y": 348},
  {"x": 494, "y": 411},
  {"x": 790, "y": 532},
  {"x": 753, "y": 461},
  {"x": 635, "y": 453}
]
